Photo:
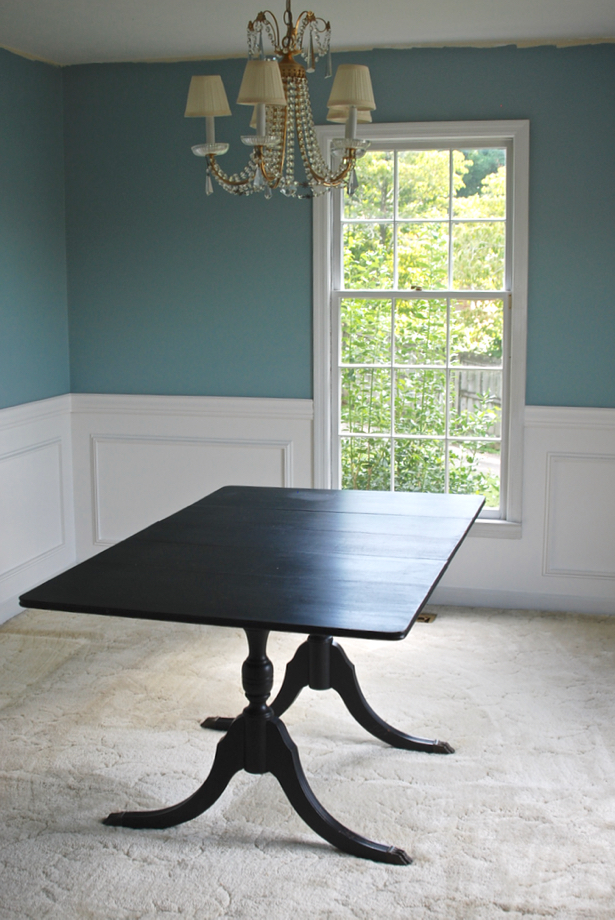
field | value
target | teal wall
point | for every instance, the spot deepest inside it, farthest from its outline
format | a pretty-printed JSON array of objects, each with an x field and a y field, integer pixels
[
  {"x": 170, "y": 291},
  {"x": 33, "y": 311},
  {"x": 173, "y": 292}
]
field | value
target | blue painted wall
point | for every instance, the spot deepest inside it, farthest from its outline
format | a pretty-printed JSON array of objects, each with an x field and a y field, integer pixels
[
  {"x": 173, "y": 292},
  {"x": 33, "y": 309},
  {"x": 170, "y": 291}
]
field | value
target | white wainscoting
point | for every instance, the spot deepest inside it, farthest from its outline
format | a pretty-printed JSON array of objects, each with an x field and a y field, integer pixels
[
  {"x": 37, "y": 534},
  {"x": 565, "y": 556},
  {"x": 140, "y": 458},
  {"x": 136, "y": 459}
]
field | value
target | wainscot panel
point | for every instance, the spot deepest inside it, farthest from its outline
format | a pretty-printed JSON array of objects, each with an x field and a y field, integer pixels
[
  {"x": 140, "y": 458},
  {"x": 564, "y": 557},
  {"x": 37, "y": 537}
]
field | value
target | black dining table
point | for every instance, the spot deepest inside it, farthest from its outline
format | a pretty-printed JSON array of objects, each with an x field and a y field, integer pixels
[{"x": 324, "y": 563}]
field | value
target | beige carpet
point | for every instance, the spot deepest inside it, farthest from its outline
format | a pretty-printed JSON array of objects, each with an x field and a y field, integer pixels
[{"x": 102, "y": 714}]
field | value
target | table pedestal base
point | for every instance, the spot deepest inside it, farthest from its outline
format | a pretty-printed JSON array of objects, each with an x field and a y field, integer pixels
[
  {"x": 321, "y": 664},
  {"x": 257, "y": 741}
]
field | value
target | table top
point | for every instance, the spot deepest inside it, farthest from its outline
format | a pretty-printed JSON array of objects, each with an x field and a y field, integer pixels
[{"x": 296, "y": 560}]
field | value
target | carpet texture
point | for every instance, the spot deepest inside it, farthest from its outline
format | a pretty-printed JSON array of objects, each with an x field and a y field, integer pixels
[{"x": 100, "y": 714}]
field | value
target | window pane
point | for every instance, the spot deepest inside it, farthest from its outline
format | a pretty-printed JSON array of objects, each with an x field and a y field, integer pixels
[
  {"x": 480, "y": 190},
  {"x": 424, "y": 182},
  {"x": 476, "y": 403},
  {"x": 366, "y": 464},
  {"x": 422, "y": 256},
  {"x": 420, "y": 402},
  {"x": 368, "y": 256},
  {"x": 366, "y": 400},
  {"x": 366, "y": 331},
  {"x": 477, "y": 327},
  {"x": 474, "y": 468},
  {"x": 478, "y": 256},
  {"x": 374, "y": 196},
  {"x": 420, "y": 331},
  {"x": 419, "y": 466}
]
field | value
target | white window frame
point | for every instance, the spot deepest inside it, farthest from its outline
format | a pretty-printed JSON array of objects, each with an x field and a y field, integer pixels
[{"x": 514, "y": 135}]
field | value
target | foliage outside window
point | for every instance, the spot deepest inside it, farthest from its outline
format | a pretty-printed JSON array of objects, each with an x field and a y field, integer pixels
[{"x": 421, "y": 307}]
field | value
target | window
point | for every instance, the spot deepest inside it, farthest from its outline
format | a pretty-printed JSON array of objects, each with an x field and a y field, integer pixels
[{"x": 420, "y": 304}]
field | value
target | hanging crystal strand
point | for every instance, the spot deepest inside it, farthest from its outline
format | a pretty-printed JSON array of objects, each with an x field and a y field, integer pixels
[
  {"x": 317, "y": 160},
  {"x": 287, "y": 183},
  {"x": 261, "y": 50}
]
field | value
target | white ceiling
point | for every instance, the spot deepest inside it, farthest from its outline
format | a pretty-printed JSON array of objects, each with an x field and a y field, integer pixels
[{"x": 83, "y": 31}]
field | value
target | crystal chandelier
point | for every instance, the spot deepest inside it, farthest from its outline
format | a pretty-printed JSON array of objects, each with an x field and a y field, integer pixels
[{"x": 284, "y": 126}]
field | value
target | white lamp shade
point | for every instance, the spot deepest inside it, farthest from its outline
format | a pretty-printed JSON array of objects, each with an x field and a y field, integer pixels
[
  {"x": 206, "y": 97},
  {"x": 262, "y": 83},
  {"x": 352, "y": 86},
  {"x": 340, "y": 115}
]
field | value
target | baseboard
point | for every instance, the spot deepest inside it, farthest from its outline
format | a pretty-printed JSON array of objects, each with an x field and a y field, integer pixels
[
  {"x": 522, "y": 600},
  {"x": 9, "y": 609}
]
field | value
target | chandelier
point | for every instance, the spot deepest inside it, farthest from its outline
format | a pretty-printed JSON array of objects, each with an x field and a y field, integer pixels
[{"x": 277, "y": 87}]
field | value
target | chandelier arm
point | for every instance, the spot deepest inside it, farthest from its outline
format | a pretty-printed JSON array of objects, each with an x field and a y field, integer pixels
[{"x": 274, "y": 26}]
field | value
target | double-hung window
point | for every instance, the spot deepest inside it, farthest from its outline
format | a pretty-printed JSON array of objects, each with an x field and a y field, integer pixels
[{"x": 420, "y": 305}]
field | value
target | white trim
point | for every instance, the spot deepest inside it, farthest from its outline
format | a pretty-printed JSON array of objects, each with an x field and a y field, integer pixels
[
  {"x": 492, "y": 527},
  {"x": 321, "y": 243},
  {"x": 285, "y": 446},
  {"x": 57, "y": 547},
  {"x": 522, "y": 600},
  {"x": 26, "y": 413},
  {"x": 210, "y": 406},
  {"x": 45, "y": 533},
  {"x": 569, "y": 417},
  {"x": 487, "y": 571},
  {"x": 513, "y": 134},
  {"x": 554, "y": 458}
]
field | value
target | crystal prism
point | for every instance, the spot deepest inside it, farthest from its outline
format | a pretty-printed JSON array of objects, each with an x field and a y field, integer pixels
[
  {"x": 259, "y": 179},
  {"x": 209, "y": 189},
  {"x": 329, "y": 70},
  {"x": 353, "y": 183},
  {"x": 309, "y": 64}
]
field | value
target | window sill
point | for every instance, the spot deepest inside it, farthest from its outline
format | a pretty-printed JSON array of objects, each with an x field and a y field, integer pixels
[{"x": 506, "y": 530}]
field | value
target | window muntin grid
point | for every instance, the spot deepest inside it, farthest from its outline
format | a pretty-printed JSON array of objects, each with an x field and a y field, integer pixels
[{"x": 397, "y": 444}]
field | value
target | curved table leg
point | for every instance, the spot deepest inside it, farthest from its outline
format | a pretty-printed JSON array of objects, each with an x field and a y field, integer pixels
[
  {"x": 229, "y": 760},
  {"x": 283, "y": 762},
  {"x": 344, "y": 680},
  {"x": 322, "y": 664}
]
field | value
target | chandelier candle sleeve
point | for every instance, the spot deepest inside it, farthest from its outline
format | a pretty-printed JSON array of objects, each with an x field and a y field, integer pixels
[{"x": 339, "y": 115}]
